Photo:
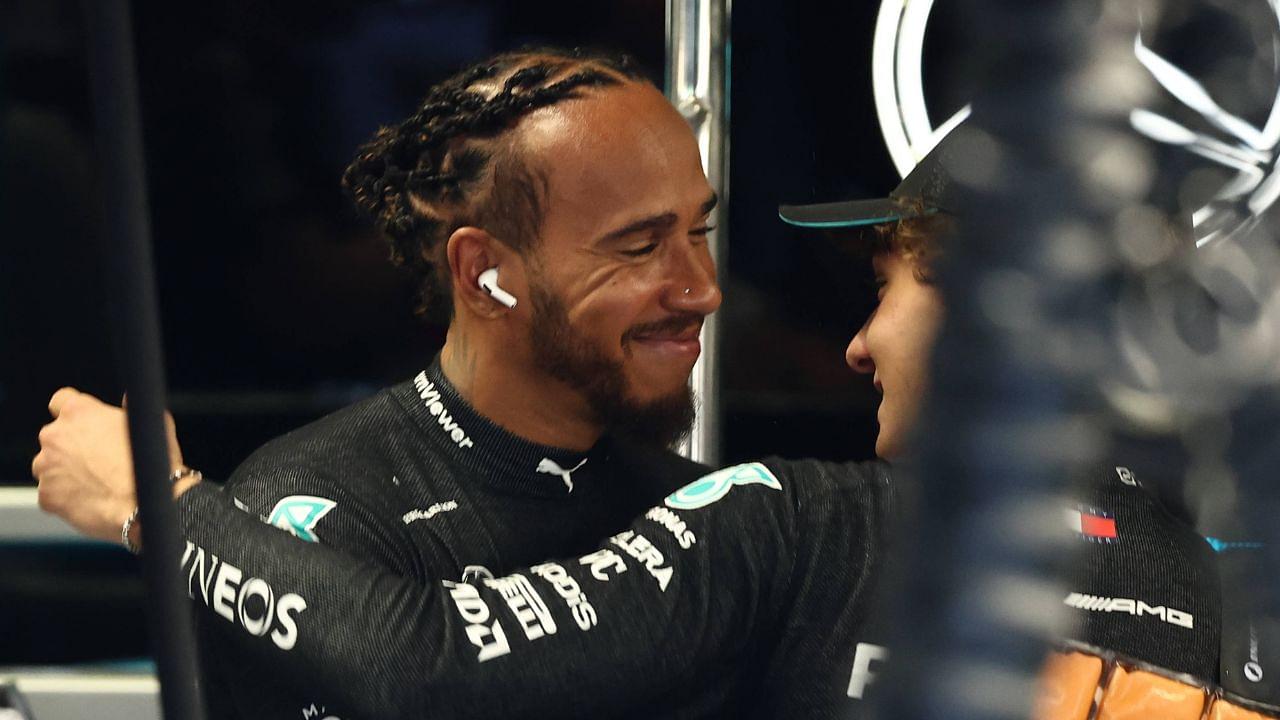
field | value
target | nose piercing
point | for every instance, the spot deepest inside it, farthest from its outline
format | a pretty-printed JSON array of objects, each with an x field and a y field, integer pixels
[{"x": 688, "y": 290}]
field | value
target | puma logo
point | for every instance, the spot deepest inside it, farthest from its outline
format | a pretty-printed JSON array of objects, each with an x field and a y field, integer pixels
[{"x": 551, "y": 467}]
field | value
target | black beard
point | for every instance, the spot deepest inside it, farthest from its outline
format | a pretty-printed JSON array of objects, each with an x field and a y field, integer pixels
[{"x": 563, "y": 353}]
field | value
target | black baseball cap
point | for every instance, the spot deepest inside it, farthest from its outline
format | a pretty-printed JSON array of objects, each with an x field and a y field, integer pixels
[
  {"x": 929, "y": 184},
  {"x": 929, "y": 188}
]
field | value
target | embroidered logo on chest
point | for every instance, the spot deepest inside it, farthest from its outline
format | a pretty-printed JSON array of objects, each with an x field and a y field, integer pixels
[{"x": 299, "y": 514}]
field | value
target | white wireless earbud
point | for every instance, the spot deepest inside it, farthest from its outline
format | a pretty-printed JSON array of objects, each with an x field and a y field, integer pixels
[{"x": 488, "y": 281}]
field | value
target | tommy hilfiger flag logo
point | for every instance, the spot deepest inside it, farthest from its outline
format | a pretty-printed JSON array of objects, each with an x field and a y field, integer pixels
[{"x": 1092, "y": 524}]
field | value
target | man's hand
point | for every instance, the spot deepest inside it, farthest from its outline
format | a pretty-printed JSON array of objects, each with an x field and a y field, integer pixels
[{"x": 84, "y": 466}]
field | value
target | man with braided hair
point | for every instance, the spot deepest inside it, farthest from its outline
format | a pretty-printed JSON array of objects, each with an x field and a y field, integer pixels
[
  {"x": 543, "y": 424},
  {"x": 578, "y": 182},
  {"x": 540, "y": 427}
]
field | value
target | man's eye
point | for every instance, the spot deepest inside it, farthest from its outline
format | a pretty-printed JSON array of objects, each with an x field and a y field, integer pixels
[
  {"x": 702, "y": 230},
  {"x": 641, "y": 251}
]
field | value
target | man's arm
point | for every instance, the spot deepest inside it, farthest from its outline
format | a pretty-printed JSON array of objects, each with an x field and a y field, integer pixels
[
  {"x": 679, "y": 591},
  {"x": 291, "y": 496}
]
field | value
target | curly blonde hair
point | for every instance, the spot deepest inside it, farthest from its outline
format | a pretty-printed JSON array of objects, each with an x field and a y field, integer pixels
[{"x": 920, "y": 238}]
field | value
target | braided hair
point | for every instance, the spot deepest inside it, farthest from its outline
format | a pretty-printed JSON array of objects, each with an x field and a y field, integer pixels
[{"x": 448, "y": 164}]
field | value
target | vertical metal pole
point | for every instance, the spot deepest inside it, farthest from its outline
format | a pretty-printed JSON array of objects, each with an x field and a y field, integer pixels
[
  {"x": 697, "y": 84},
  {"x": 133, "y": 302}
]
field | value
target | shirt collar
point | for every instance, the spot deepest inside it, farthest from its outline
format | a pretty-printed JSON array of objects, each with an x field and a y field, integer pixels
[{"x": 498, "y": 456}]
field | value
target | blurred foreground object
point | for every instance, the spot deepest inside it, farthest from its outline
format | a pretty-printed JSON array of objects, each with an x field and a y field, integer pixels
[{"x": 1081, "y": 316}]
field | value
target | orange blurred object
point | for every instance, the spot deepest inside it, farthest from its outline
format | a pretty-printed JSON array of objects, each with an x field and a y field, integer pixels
[
  {"x": 1078, "y": 685},
  {"x": 1068, "y": 684},
  {"x": 1134, "y": 695}
]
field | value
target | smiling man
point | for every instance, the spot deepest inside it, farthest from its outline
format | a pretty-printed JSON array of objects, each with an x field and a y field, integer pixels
[
  {"x": 543, "y": 424},
  {"x": 583, "y": 188},
  {"x": 634, "y": 375},
  {"x": 603, "y": 229}
]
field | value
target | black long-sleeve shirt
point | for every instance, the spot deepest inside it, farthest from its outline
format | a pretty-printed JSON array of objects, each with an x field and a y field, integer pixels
[{"x": 412, "y": 578}]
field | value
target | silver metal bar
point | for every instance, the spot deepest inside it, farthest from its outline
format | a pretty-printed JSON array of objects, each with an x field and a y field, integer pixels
[
  {"x": 22, "y": 520},
  {"x": 697, "y": 81},
  {"x": 55, "y": 693}
]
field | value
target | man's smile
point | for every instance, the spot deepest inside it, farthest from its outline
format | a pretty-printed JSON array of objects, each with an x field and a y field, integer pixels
[{"x": 677, "y": 336}]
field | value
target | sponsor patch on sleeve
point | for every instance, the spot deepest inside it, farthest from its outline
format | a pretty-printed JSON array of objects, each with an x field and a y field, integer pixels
[
  {"x": 710, "y": 488},
  {"x": 299, "y": 514},
  {"x": 1092, "y": 524}
]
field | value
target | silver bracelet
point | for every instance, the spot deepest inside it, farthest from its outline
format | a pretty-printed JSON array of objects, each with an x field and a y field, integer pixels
[
  {"x": 175, "y": 476},
  {"x": 184, "y": 471},
  {"x": 124, "y": 532}
]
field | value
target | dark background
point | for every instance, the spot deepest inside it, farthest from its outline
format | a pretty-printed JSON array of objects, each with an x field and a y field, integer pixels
[{"x": 278, "y": 306}]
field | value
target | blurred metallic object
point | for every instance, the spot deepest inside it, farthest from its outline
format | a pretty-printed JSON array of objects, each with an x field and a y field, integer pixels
[
  {"x": 697, "y": 84},
  {"x": 1198, "y": 335},
  {"x": 1047, "y": 164},
  {"x": 1080, "y": 310},
  {"x": 1248, "y": 150}
]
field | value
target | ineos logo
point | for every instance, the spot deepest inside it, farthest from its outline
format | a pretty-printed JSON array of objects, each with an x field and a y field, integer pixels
[{"x": 247, "y": 601}]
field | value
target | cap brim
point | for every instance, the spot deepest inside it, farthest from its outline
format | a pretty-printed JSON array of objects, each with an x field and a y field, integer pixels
[{"x": 846, "y": 214}]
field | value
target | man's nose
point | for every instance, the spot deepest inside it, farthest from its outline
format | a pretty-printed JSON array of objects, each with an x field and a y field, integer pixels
[
  {"x": 857, "y": 356},
  {"x": 694, "y": 288}
]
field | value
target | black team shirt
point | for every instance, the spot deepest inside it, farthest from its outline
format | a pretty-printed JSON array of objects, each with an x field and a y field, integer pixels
[{"x": 407, "y": 558}]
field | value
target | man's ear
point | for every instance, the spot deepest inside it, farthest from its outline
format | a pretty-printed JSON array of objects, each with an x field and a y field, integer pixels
[{"x": 472, "y": 251}]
